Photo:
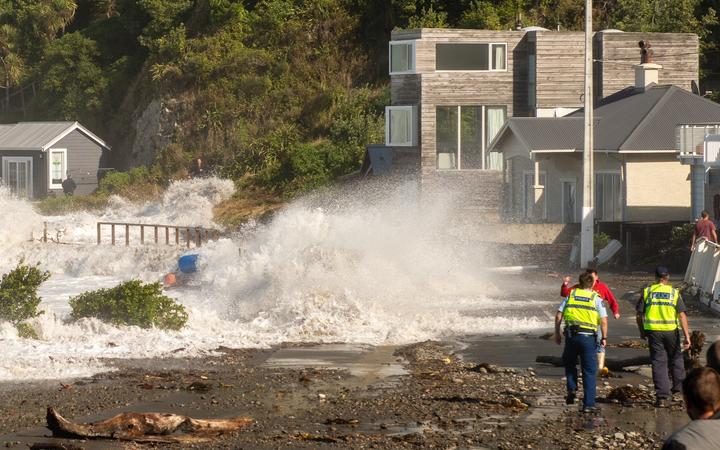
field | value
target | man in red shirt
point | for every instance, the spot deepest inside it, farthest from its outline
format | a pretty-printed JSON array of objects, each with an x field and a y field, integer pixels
[
  {"x": 601, "y": 288},
  {"x": 605, "y": 293},
  {"x": 704, "y": 228}
]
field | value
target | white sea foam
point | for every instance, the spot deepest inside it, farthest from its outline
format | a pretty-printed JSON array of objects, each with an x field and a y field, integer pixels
[{"x": 331, "y": 269}]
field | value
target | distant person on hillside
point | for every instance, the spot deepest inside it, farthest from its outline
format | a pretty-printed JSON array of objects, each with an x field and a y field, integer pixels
[
  {"x": 704, "y": 229},
  {"x": 198, "y": 168},
  {"x": 701, "y": 391},
  {"x": 606, "y": 294},
  {"x": 68, "y": 185},
  {"x": 583, "y": 313}
]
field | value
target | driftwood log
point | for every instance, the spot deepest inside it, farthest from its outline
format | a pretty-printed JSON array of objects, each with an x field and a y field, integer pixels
[
  {"x": 613, "y": 364},
  {"x": 145, "y": 427},
  {"x": 691, "y": 357}
]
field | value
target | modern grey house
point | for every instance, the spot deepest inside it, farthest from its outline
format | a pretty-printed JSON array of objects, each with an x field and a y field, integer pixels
[{"x": 37, "y": 156}]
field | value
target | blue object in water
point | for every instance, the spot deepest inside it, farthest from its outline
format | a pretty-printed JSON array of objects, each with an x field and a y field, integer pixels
[{"x": 188, "y": 263}]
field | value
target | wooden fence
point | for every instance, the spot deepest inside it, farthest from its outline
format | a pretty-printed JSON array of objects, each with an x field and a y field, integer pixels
[{"x": 180, "y": 235}]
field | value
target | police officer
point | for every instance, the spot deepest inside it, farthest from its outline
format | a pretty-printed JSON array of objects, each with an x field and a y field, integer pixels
[
  {"x": 583, "y": 312},
  {"x": 658, "y": 311}
]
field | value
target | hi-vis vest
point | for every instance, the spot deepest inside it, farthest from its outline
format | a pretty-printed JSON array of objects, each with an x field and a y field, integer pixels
[
  {"x": 660, "y": 302},
  {"x": 580, "y": 310}
]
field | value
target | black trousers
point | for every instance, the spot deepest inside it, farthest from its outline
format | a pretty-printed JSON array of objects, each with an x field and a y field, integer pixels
[{"x": 666, "y": 358}]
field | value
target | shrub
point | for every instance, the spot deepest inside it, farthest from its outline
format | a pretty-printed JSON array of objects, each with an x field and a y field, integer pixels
[
  {"x": 26, "y": 331},
  {"x": 18, "y": 293},
  {"x": 600, "y": 241},
  {"x": 130, "y": 303},
  {"x": 63, "y": 204}
]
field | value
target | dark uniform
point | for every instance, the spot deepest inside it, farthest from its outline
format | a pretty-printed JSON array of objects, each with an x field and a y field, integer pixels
[{"x": 660, "y": 306}]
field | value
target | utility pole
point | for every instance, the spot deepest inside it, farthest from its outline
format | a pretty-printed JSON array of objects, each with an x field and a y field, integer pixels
[{"x": 588, "y": 211}]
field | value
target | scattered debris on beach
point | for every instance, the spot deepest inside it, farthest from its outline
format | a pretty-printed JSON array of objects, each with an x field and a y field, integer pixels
[{"x": 146, "y": 427}]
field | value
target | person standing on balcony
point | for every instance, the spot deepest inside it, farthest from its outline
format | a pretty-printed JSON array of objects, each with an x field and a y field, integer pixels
[{"x": 704, "y": 229}]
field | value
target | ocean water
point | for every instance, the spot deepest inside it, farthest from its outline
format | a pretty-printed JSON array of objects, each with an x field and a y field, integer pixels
[{"x": 352, "y": 268}]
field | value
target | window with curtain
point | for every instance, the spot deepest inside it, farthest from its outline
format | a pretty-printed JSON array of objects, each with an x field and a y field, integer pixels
[
  {"x": 447, "y": 137},
  {"x": 494, "y": 120},
  {"x": 463, "y": 134},
  {"x": 608, "y": 197},
  {"x": 57, "y": 167},
  {"x": 498, "y": 56},
  {"x": 399, "y": 126},
  {"x": 402, "y": 56}
]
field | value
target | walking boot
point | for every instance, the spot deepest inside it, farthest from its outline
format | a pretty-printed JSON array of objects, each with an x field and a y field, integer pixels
[{"x": 570, "y": 399}]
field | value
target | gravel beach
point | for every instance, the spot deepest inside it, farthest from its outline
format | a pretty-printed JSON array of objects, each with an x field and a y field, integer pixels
[{"x": 464, "y": 392}]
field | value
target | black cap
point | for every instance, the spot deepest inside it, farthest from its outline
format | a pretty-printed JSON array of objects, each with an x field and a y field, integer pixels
[{"x": 661, "y": 271}]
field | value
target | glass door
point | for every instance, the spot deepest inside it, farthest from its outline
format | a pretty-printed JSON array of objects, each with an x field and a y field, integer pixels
[
  {"x": 17, "y": 175},
  {"x": 569, "y": 208}
]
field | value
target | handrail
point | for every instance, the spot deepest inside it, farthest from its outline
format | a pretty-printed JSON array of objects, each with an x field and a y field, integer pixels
[
  {"x": 199, "y": 234},
  {"x": 703, "y": 269}
]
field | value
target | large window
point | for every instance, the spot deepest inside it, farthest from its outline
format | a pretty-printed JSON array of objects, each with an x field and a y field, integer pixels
[
  {"x": 608, "y": 197},
  {"x": 402, "y": 57},
  {"x": 400, "y": 128},
  {"x": 463, "y": 134},
  {"x": 58, "y": 167},
  {"x": 470, "y": 57}
]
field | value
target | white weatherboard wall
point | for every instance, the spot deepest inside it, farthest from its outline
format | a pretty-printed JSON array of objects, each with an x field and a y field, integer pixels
[{"x": 658, "y": 188}]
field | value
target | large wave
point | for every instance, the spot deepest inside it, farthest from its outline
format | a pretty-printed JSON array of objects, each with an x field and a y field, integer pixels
[{"x": 362, "y": 266}]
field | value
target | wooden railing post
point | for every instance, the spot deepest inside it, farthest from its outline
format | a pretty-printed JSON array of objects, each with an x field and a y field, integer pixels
[
  {"x": 193, "y": 235},
  {"x": 45, "y": 232}
]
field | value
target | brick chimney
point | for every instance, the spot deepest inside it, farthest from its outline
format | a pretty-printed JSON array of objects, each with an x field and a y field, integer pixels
[{"x": 646, "y": 72}]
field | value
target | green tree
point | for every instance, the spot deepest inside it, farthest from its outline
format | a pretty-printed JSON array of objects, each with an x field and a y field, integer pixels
[{"x": 73, "y": 86}]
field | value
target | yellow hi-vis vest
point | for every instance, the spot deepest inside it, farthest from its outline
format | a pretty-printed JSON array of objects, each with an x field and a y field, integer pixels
[
  {"x": 580, "y": 310},
  {"x": 660, "y": 303}
]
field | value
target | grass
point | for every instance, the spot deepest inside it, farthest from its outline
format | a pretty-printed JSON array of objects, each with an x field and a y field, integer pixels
[
  {"x": 247, "y": 203},
  {"x": 61, "y": 204}
]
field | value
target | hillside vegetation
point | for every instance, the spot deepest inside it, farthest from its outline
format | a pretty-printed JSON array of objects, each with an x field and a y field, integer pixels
[{"x": 281, "y": 94}]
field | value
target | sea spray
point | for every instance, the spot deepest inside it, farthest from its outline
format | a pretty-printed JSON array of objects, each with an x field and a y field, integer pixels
[{"x": 372, "y": 265}]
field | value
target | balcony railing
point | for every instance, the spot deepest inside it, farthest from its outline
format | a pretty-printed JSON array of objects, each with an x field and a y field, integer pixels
[{"x": 698, "y": 143}]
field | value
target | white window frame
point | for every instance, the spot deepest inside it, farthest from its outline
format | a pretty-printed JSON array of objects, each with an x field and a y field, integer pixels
[
  {"x": 484, "y": 144},
  {"x": 490, "y": 55},
  {"x": 63, "y": 175},
  {"x": 528, "y": 214},
  {"x": 412, "y": 68},
  {"x": 622, "y": 193},
  {"x": 489, "y": 69},
  {"x": 413, "y": 125},
  {"x": 5, "y": 160}
]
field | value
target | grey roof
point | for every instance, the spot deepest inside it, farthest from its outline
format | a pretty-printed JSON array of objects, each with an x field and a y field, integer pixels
[
  {"x": 630, "y": 119},
  {"x": 38, "y": 135},
  {"x": 548, "y": 133}
]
